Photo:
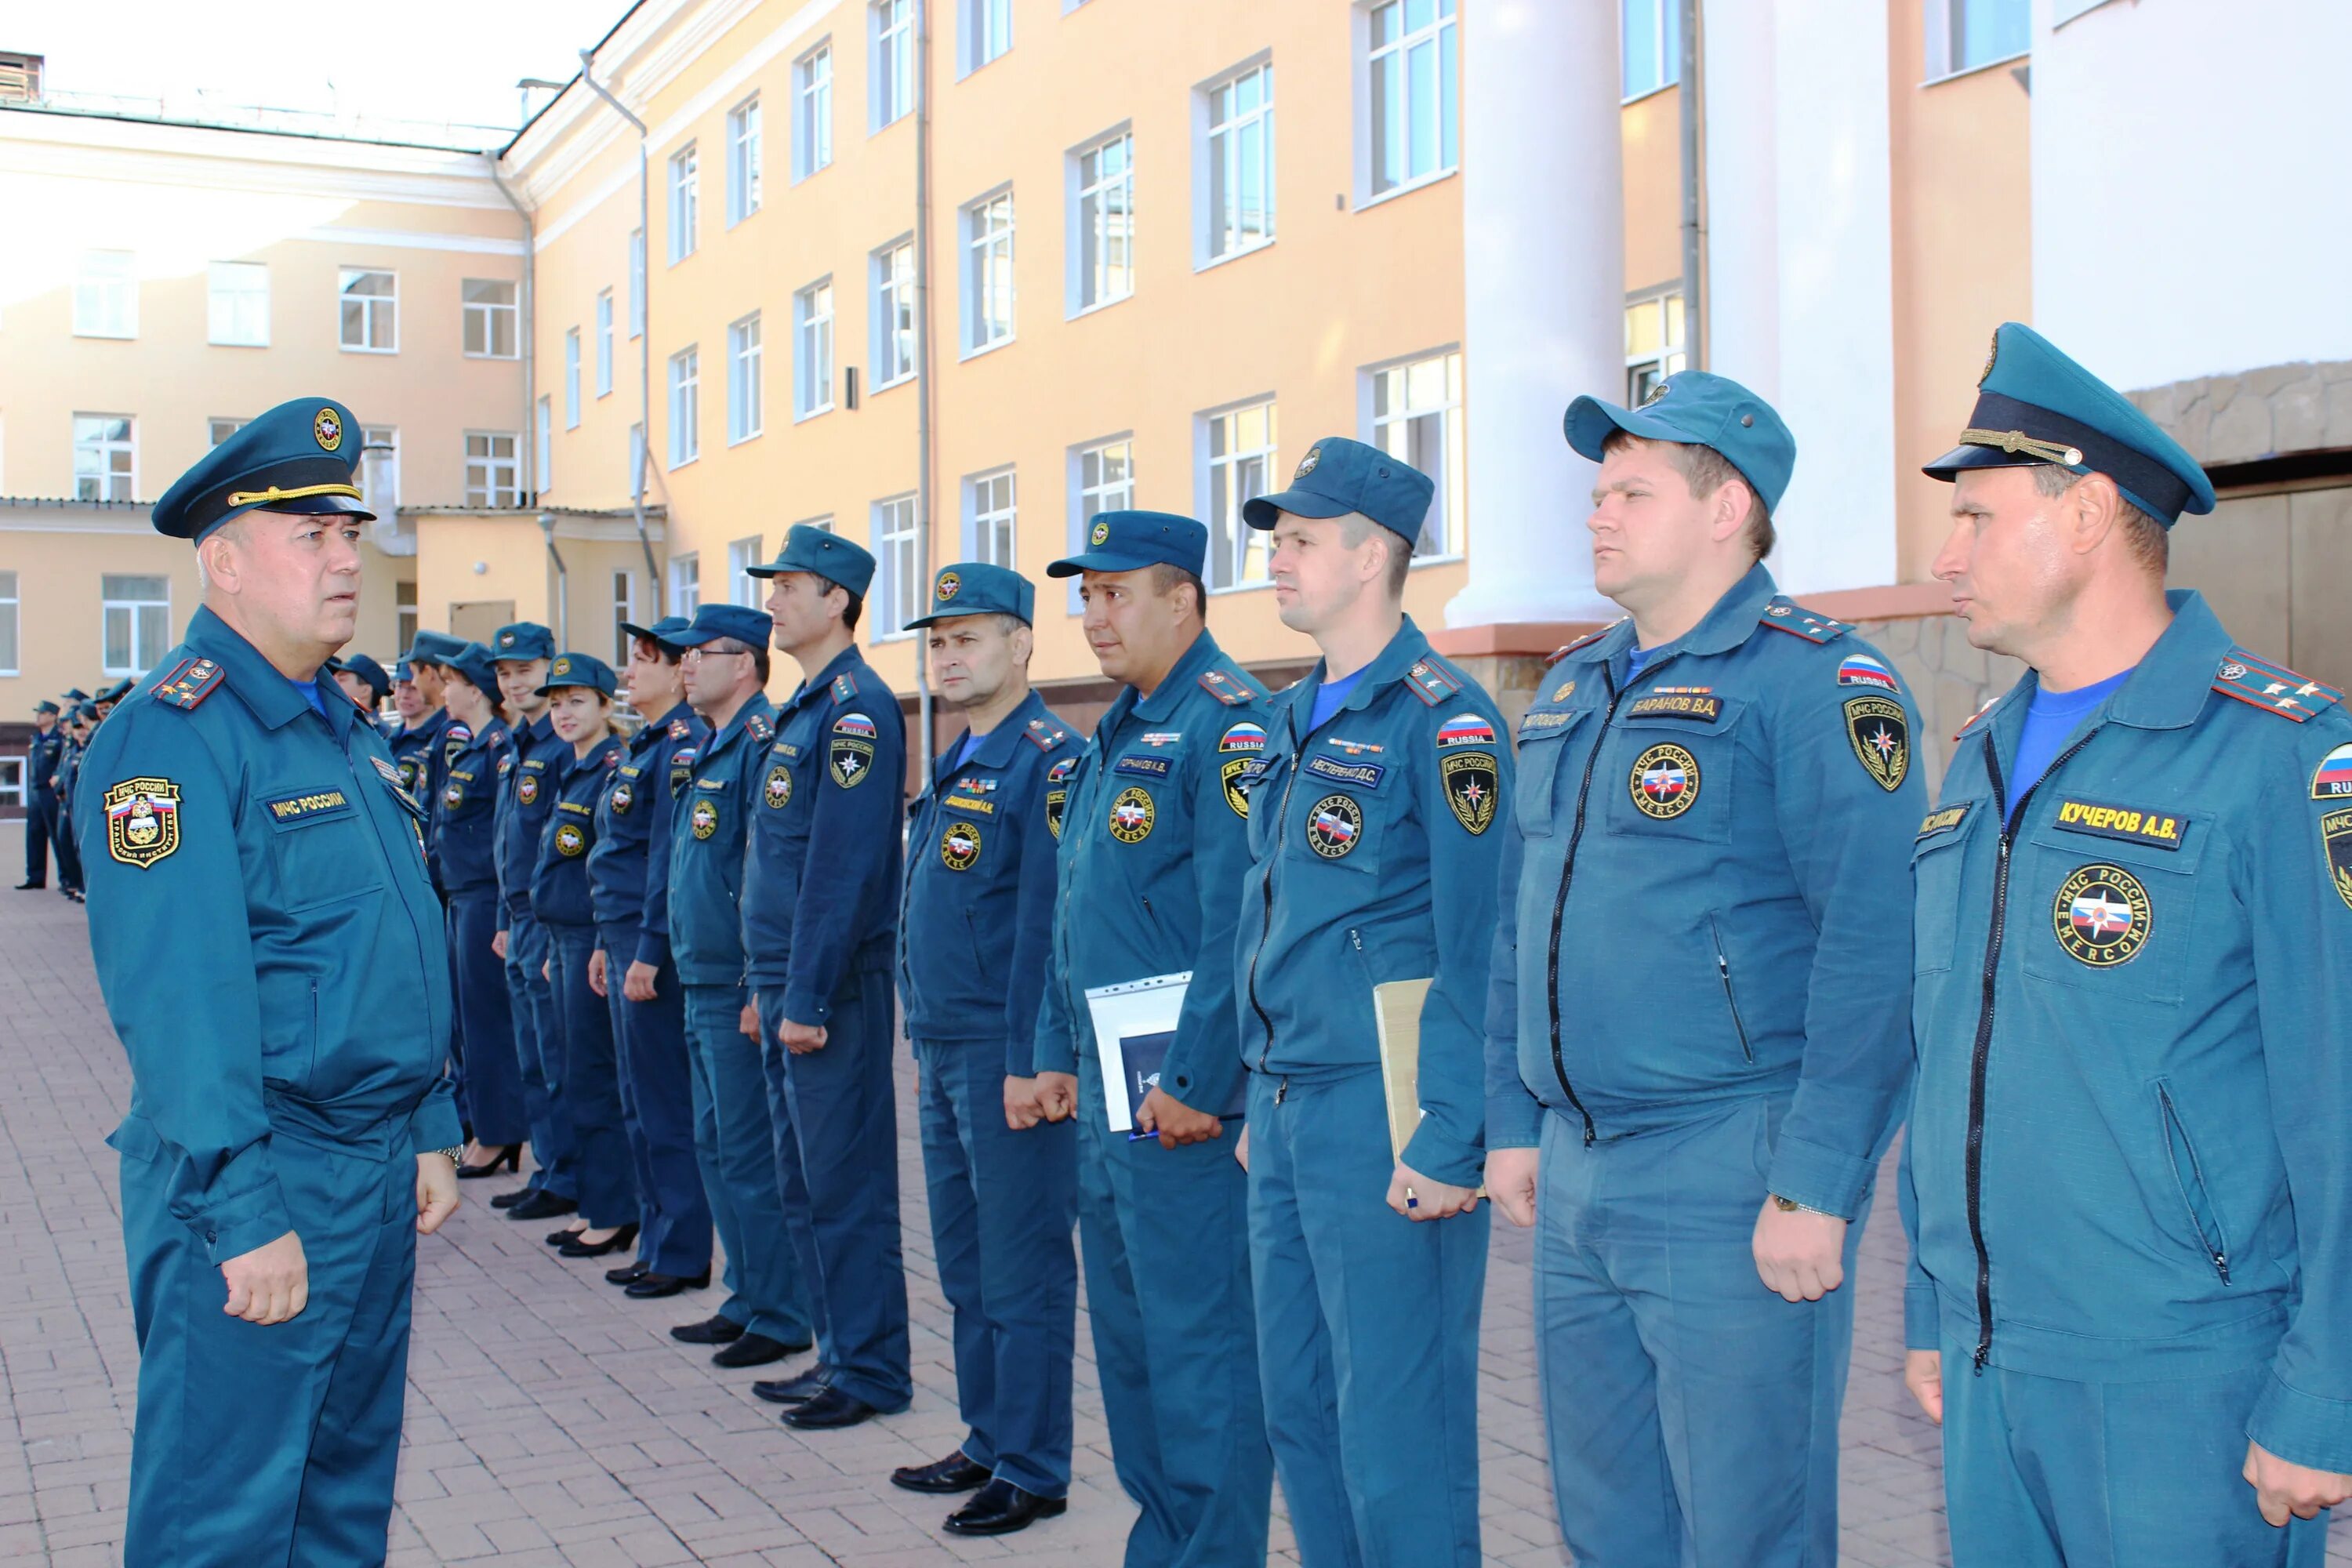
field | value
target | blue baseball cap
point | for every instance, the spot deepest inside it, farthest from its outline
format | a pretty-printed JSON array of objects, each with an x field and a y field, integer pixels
[
  {"x": 114, "y": 693},
  {"x": 300, "y": 456},
  {"x": 977, "y": 588},
  {"x": 400, "y": 672},
  {"x": 712, "y": 622},
  {"x": 1695, "y": 408},
  {"x": 434, "y": 647},
  {"x": 367, "y": 669},
  {"x": 830, "y": 556},
  {"x": 1127, "y": 541},
  {"x": 523, "y": 640},
  {"x": 473, "y": 661},
  {"x": 580, "y": 670},
  {"x": 2034, "y": 406},
  {"x": 664, "y": 631},
  {"x": 1338, "y": 476}
]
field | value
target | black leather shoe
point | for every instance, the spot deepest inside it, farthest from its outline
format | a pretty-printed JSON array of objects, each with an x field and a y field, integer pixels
[
  {"x": 621, "y": 1240},
  {"x": 629, "y": 1276},
  {"x": 827, "y": 1409},
  {"x": 561, "y": 1238},
  {"x": 719, "y": 1330},
  {"x": 509, "y": 1158},
  {"x": 650, "y": 1286},
  {"x": 754, "y": 1349},
  {"x": 953, "y": 1474},
  {"x": 543, "y": 1205},
  {"x": 508, "y": 1200},
  {"x": 1000, "y": 1508},
  {"x": 795, "y": 1390},
  {"x": 30, "y": 887}
]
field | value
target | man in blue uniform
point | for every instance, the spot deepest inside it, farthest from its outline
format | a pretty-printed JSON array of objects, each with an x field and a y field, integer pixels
[
  {"x": 1377, "y": 784},
  {"x": 464, "y": 837},
  {"x": 75, "y": 729},
  {"x": 363, "y": 680},
  {"x": 1714, "y": 801},
  {"x": 290, "y": 1131},
  {"x": 765, "y": 1317},
  {"x": 1149, "y": 881},
  {"x": 417, "y": 747},
  {"x": 40, "y": 778},
  {"x": 2131, "y": 1294},
  {"x": 820, "y": 927},
  {"x": 974, "y": 925}
]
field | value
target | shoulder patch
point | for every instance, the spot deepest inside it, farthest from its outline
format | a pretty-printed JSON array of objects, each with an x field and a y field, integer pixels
[
  {"x": 2272, "y": 688},
  {"x": 1045, "y": 736},
  {"x": 1784, "y": 613},
  {"x": 1431, "y": 684},
  {"x": 844, "y": 686},
  {"x": 758, "y": 727},
  {"x": 679, "y": 729},
  {"x": 1587, "y": 640},
  {"x": 190, "y": 682},
  {"x": 457, "y": 735},
  {"x": 1232, "y": 693}
]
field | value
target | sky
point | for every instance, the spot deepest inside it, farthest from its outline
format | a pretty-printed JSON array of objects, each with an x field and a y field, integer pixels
[{"x": 430, "y": 60}]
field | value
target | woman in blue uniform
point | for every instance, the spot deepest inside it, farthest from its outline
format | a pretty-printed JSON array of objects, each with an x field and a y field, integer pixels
[{"x": 580, "y": 691}]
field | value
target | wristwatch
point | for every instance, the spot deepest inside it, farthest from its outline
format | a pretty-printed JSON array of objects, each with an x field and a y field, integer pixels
[
  {"x": 452, "y": 1155},
  {"x": 1790, "y": 1206}
]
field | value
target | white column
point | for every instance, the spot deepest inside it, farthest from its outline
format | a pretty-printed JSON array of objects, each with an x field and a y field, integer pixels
[
  {"x": 1743, "y": 234},
  {"x": 1543, "y": 294}
]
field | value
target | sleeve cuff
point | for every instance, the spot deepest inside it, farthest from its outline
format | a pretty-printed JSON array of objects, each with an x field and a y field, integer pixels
[
  {"x": 238, "y": 1228},
  {"x": 1054, "y": 1051},
  {"x": 653, "y": 948},
  {"x": 1201, "y": 1089},
  {"x": 1443, "y": 1157},
  {"x": 1514, "y": 1120},
  {"x": 804, "y": 1005},
  {"x": 1923, "y": 1318},
  {"x": 2303, "y": 1428},
  {"x": 1818, "y": 1177},
  {"x": 435, "y": 1125}
]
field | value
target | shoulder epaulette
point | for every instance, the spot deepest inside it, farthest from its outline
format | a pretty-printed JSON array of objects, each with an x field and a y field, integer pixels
[
  {"x": 759, "y": 727},
  {"x": 363, "y": 706},
  {"x": 2272, "y": 688},
  {"x": 1225, "y": 689},
  {"x": 1979, "y": 713},
  {"x": 844, "y": 686},
  {"x": 680, "y": 730},
  {"x": 1785, "y": 614},
  {"x": 190, "y": 682},
  {"x": 613, "y": 759},
  {"x": 1587, "y": 640},
  {"x": 1430, "y": 683},
  {"x": 1045, "y": 736}
]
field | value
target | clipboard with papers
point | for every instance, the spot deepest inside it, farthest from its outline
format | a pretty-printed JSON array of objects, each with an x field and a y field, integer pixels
[
  {"x": 1396, "y": 1012},
  {"x": 1135, "y": 1026}
]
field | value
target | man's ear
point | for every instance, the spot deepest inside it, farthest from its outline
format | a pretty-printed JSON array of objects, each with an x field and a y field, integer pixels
[
  {"x": 1731, "y": 501},
  {"x": 2092, "y": 506}
]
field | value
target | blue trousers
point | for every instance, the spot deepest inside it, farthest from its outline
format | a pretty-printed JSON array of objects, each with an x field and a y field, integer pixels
[
  {"x": 272, "y": 1444},
  {"x": 1693, "y": 1413},
  {"x": 735, "y": 1142},
  {"x": 1002, "y": 1206},
  {"x": 41, "y": 827},
  {"x": 658, "y": 1112},
  {"x": 2044, "y": 1472},
  {"x": 494, "y": 1103},
  {"x": 61, "y": 839},
  {"x": 836, "y": 1119},
  {"x": 1165, "y": 1238},
  {"x": 538, "y": 1052},
  {"x": 592, "y": 1082},
  {"x": 1366, "y": 1334}
]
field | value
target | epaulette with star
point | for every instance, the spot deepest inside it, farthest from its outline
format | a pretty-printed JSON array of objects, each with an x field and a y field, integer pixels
[
  {"x": 679, "y": 729},
  {"x": 759, "y": 727},
  {"x": 1979, "y": 713},
  {"x": 1045, "y": 736},
  {"x": 844, "y": 686},
  {"x": 1786, "y": 614},
  {"x": 1587, "y": 640},
  {"x": 190, "y": 682},
  {"x": 2273, "y": 688},
  {"x": 1225, "y": 689},
  {"x": 1430, "y": 683}
]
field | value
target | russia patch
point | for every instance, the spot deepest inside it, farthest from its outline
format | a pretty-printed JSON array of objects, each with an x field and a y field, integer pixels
[
  {"x": 2333, "y": 781},
  {"x": 1242, "y": 737},
  {"x": 1466, "y": 730},
  {"x": 1861, "y": 669}
]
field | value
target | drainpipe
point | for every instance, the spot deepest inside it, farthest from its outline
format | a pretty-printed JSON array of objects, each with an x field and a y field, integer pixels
[
  {"x": 645, "y": 332},
  {"x": 563, "y": 582},
  {"x": 1692, "y": 103},
  {"x": 923, "y": 362}
]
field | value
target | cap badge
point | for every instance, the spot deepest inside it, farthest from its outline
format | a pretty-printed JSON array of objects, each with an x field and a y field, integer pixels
[
  {"x": 1307, "y": 464},
  {"x": 1100, "y": 536},
  {"x": 1657, "y": 394},
  {"x": 562, "y": 667},
  {"x": 327, "y": 427},
  {"x": 949, "y": 585},
  {"x": 1992, "y": 353}
]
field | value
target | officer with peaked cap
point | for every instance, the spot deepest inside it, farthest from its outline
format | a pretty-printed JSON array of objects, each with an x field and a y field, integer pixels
[
  {"x": 290, "y": 1131},
  {"x": 2131, "y": 1188},
  {"x": 41, "y": 758}
]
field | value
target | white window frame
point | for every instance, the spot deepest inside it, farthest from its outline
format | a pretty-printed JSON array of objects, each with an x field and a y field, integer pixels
[
  {"x": 1102, "y": 223},
  {"x": 743, "y": 159},
  {"x": 1645, "y": 367},
  {"x": 237, "y": 304},
  {"x": 685, "y": 202},
  {"x": 1229, "y": 142},
  {"x": 485, "y": 316},
  {"x": 146, "y": 623},
  {"x": 1945, "y": 20},
  {"x": 373, "y": 308},
  {"x": 572, "y": 378},
  {"x": 12, "y": 625},
  {"x": 1394, "y": 430},
  {"x": 637, "y": 283},
  {"x": 106, "y": 294},
  {"x": 685, "y": 405},
  {"x": 898, "y": 571},
  {"x": 894, "y": 347},
  {"x": 220, "y": 429},
  {"x": 604, "y": 343},
  {"x": 488, "y": 466},
  {"x": 889, "y": 62},
  {"x": 1440, "y": 36},
  {"x": 379, "y": 474},
  {"x": 813, "y": 350},
  {"x": 988, "y": 257},
  {"x": 991, "y": 517},
  {"x": 1092, "y": 495},
  {"x": 985, "y": 34},
  {"x": 685, "y": 584},
  {"x": 746, "y": 384},
  {"x": 1662, "y": 22},
  {"x": 1223, "y": 485},
  {"x": 542, "y": 446},
  {"x": 114, "y": 483},
  {"x": 625, "y": 612},
  {"x": 742, "y": 588},
  {"x": 813, "y": 112}
]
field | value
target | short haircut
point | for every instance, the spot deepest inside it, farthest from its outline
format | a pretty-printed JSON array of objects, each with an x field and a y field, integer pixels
[
  {"x": 849, "y": 612},
  {"x": 758, "y": 652},
  {"x": 2150, "y": 542},
  {"x": 1355, "y": 528},
  {"x": 1705, "y": 471},
  {"x": 1166, "y": 578}
]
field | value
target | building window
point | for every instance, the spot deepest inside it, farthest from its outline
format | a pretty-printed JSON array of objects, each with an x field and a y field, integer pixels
[
  {"x": 572, "y": 378},
  {"x": 604, "y": 343},
  {"x": 237, "y": 304},
  {"x": 745, "y": 406},
  {"x": 380, "y": 471},
  {"x": 1102, "y": 479},
  {"x": 1653, "y": 345},
  {"x": 1238, "y": 464},
  {"x": 1238, "y": 212},
  {"x": 137, "y": 622},
  {"x": 990, "y": 514},
  {"x": 683, "y": 203},
  {"x": 491, "y": 318},
  {"x": 1417, "y": 417},
  {"x": 105, "y": 458},
  {"x": 371, "y": 311},
  {"x": 987, "y": 32},
  {"x": 892, "y": 58},
  {"x": 899, "y": 571},
  {"x": 1971, "y": 33},
  {"x": 742, "y": 588},
  {"x": 637, "y": 283},
  {"x": 10, "y": 637},
  {"x": 106, "y": 295},
  {"x": 493, "y": 471},
  {"x": 988, "y": 272},
  {"x": 625, "y": 614},
  {"x": 1411, "y": 91},
  {"x": 685, "y": 584},
  {"x": 1103, "y": 250},
  {"x": 685, "y": 406},
  {"x": 1652, "y": 34},
  {"x": 813, "y": 350},
  {"x": 542, "y": 448},
  {"x": 219, "y": 430},
  {"x": 742, "y": 161},
  {"x": 813, "y": 112},
  {"x": 894, "y": 314},
  {"x": 403, "y": 613}
]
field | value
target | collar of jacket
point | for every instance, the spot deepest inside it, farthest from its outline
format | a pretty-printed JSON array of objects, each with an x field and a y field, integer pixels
[
  {"x": 821, "y": 683},
  {"x": 757, "y": 703},
  {"x": 1391, "y": 664},
  {"x": 574, "y": 765},
  {"x": 650, "y": 735},
  {"x": 260, "y": 685},
  {"x": 1736, "y": 618},
  {"x": 2168, "y": 689},
  {"x": 996, "y": 747},
  {"x": 1168, "y": 694}
]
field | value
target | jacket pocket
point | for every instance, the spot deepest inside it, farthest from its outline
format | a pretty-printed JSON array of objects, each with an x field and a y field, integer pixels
[
  {"x": 1731, "y": 995},
  {"x": 1539, "y": 771},
  {"x": 2189, "y": 1175},
  {"x": 1938, "y": 861}
]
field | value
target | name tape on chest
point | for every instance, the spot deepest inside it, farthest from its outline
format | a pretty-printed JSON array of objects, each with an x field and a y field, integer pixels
[
  {"x": 1704, "y": 710},
  {"x": 286, "y": 810},
  {"x": 1943, "y": 819},
  {"x": 2126, "y": 824},
  {"x": 1362, "y": 775}
]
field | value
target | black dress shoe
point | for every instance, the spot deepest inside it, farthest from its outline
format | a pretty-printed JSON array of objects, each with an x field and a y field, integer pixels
[
  {"x": 719, "y": 1330},
  {"x": 953, "y": 1474},
  {"x": 754, "y": 1349},
  {"x": 510, "y": 1157},
  {"x": 1000, "y": 1508},
  {"x": 827, "y": 1409},
  {"x": 621, "y": 1240},
  {"x": 652, "y": 1286},
  {"x": 629, "y": 1276},
  {"x": 543, "y": 1205},
  {"x": 561, "y": 1237},
  {"x": 795, "y": 1390},
  {"x": 508, "y": 1200},
  {"x": 30, "y": 887}
]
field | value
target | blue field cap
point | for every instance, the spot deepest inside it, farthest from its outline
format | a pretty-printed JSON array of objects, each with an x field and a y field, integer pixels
[
  {"x": 45, "y": 706},
  {"x": 523, "y": 640},
  {"x": 664, "y": 631},
  {"x": 2035, "y": 405},
  {"x": 473, "y": 661},
  {"x": 367, "y": 669},
  {"x": 830, "y": 556},
  {"x": 73, "y": 694},
  {"x": 434, "y": 647},
  {"x": 580, "y": 670},
  {"x": 1338, "y": 476},
  {"x": 116, "y": 692},
  {"x": 977, "y": 588},
  {"x": 86, "y": 712},
  {"x": 1127, "y": 540},
  {"x": 300, "y": 456},
  {"x": 712, "y": 622},
  {"x": 1694, "y": 408}
]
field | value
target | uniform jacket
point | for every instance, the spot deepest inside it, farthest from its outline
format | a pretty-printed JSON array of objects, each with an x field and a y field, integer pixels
[
  {"x": 270, "y": 951},
  {"x": 526, "y": 797},
  {"x": 464, "y": 834},
  {"x": 69, "y": 757},
  {"x": 977, "y": 918},
  {"x": 41, "y": 760},
  {"x": 1729, "y": 830},
  {"x": 628, "y": 869},
  {"x": 2135, "y": 994},
  {"x": 558, "y": 881},
  {"x": 413, "y": 749},
  {"x": 706, "y": 847},
  {"x": 1375, "y": 841}
]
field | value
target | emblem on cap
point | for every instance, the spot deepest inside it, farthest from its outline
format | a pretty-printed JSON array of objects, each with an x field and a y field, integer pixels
[
  {"x": 327, "y": 427},
  {"x": 506, "y": 639},
  {"x": 1100, "y": 536},
  {"x": 949, "y": 585},
  {"x": 562, "y": 667},
  {"x": 1992, "y": 353},
  {"x": 1657, "y": 393},
  {"x": 1307, "y": 464}
]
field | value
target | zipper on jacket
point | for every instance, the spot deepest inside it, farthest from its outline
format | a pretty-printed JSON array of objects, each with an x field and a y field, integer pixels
[
  {"x": 1983, "y": 1050},
  {"x": 1723, "y": 971},
  {"x": 1266, "y": 920},
  {"x": 1560, "y": 905}
]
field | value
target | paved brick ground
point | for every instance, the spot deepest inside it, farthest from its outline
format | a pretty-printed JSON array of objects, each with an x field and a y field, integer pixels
[{"x": 552, "y": 1421}]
